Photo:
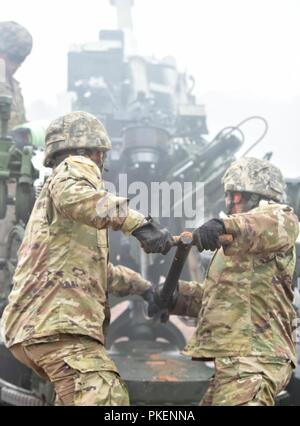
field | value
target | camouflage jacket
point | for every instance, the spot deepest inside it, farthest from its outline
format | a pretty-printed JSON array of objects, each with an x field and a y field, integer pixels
[
  {"x": 61, "y": 281},
  {"x": 17, "y": 115},
  {"x": 245, "y": 304}
]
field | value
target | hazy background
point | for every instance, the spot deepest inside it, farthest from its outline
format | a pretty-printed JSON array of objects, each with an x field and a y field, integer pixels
[{"x": 244, "y": 55}]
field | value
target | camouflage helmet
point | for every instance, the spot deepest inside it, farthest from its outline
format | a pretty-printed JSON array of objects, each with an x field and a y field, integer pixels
[
  {"x": 15, "y": 41},
  {"x": 255, "y": 176},
  {"x": 76, "y": 130}
]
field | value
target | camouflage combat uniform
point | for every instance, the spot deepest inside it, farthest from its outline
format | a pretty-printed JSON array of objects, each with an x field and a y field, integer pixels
[
  {"x": 15, "y": 45},
  {"x": 58, "y": 310},
  {"x": 17, "y": 116},
  {"x": 246, "y": 320}
]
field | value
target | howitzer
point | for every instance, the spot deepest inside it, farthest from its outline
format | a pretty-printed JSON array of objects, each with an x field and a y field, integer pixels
[{"x": 165, "y": 297}]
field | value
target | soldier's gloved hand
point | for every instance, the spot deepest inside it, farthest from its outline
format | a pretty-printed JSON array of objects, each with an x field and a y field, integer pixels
[
  {"x": 207, "y": 236},
  {"x": 149, "y": 296},
  {"x": 157, "y": 305},
  {"x": 152, "y": 238}
]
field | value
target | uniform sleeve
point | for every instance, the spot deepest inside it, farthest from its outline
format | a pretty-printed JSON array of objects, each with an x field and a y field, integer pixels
[
  {"x": 122, "y": 281},
  {"x": 189, "y": 299},
  {"x": 18, "y": 115},
  {"x": 271, "y": 230},
  {"x": 77, "y": 199}
]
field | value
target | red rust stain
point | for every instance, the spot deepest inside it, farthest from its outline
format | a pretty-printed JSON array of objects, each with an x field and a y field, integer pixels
[
  {"x": 154, "y": 356},
  {"x": 155, "y": 363},
  {"x": 164, "y": 378}
]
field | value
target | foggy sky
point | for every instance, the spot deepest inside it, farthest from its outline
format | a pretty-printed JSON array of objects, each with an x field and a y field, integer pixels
[{"x": 244, "y": 55}]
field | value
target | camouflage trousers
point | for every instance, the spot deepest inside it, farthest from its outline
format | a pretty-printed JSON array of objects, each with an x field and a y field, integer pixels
[
  {"x": 78, "y": 367},
  {"x": 247, "y": 381}
]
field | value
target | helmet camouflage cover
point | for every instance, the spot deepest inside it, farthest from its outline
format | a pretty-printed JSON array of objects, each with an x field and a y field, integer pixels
[
  {"x": 255, "y": 176},
  {"x": 15, "y": 41},
  {"x": 76, "y": 130}
]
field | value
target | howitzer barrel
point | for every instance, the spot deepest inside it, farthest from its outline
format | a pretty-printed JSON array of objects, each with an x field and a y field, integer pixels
[{"x": 124, "y": 13}]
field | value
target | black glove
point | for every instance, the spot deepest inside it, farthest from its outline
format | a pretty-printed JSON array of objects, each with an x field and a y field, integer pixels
[
  {"x": 207, "y": 236},
  {"x": 150, "y": 296},
  {"x": 157, "y": 305},
  {"x": 153, "y": 239}
]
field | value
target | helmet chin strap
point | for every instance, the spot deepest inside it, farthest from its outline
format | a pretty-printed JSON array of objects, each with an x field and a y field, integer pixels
[
  {"x": 230, "y": 206},
  {"x": 253, "y": 202},
  {"x": 101, "y": 167}
]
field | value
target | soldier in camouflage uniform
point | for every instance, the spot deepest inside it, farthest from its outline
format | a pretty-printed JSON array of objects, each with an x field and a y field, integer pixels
[
  {"x": 57, "y": 313},
  {"x": 246, "y": 320},
  {"x": 15, "y": 45}
]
